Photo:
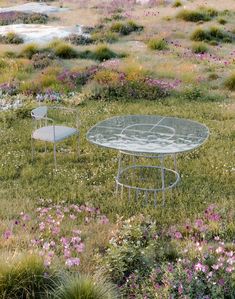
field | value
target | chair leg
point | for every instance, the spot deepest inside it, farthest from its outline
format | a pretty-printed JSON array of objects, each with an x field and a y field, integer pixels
[{"x": 54, "y": 149}]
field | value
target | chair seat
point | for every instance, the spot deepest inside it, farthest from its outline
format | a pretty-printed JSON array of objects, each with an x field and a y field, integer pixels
[{"x": 47, "y": 133}]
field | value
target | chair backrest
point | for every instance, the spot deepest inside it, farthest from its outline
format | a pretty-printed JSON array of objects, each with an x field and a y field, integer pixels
[
  {"x": 39, "y": 112},
  {"x": 38, "y": 115}
]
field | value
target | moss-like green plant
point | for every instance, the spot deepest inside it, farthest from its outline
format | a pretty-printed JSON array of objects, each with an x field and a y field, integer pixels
[
  {"x": 199, "y": 48},
  {"x": 230, "y": 82},
  {"x": 84, "y": 287},
  {"x": 159, "y": 44}
]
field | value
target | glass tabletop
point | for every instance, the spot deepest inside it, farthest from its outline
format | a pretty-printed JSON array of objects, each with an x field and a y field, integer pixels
[{"x": 148, "y": 134}]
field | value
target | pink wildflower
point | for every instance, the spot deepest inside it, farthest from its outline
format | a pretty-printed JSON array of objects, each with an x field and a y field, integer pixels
[
  {"x": 178, "y": 235},
  {"x": 7, "y": 234},
  {"x": 70, "y": 262},
  {"x": 80, "y": 247},
  {"x": 104, "y": 219}
]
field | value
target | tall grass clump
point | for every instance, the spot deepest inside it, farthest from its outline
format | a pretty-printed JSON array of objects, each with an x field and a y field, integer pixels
[
  {"x": 29, "y": 50},
  {"x": 230, "y": 82},
  {"x": 63, "y": 50},
  {"x": 159, "y": 44},
  {"x": 26, "y": 278},
  {"x": 84, "y": 287},
  {"x": 202, "y": 14},
  {"x": 199, "y": 48},
  {"x": 11, "y": 38}
]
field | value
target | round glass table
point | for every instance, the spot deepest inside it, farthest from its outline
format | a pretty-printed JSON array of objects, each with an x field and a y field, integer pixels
[{"x": 148, "y": 138}]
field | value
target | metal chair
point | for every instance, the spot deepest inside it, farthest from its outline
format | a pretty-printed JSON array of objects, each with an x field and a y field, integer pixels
[{"x": 52, "y": 133}]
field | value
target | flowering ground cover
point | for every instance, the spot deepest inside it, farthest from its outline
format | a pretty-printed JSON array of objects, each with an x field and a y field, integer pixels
[{"x": 68, "y": 226}]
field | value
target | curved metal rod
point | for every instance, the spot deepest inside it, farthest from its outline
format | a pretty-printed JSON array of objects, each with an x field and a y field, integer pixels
[{"x": 148, "y": 189}]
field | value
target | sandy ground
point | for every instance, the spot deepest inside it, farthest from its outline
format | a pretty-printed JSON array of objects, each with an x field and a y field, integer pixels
[{"x": 39, "y": 33}]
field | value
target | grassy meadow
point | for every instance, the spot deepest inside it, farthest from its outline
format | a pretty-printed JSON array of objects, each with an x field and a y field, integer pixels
[{"x": 117, "y": 236}]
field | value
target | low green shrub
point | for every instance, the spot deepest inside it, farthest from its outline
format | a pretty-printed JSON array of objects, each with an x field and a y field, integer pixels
[
  {"x": 11, "y": 38},
  {"x": 79, "y": 39},
  {"x": 42, "y": 60},
  {"x": 199, "y": 48},
  {"x": 213, "y": 76},
  {"x": 222, "y": 21},
  {"x": 105, "y": 36},
  {"x": 64, "y": 51},
  {"x": 125, "y": 28},
  {"x": 230, "y": 82},
  {"x": 84, "y": 287},
  {"x": 101, "y": 53},
  {"x": 216, "y": 33},
  {"x": 177, "y": 3},
  {"x": 9, "y": 54},
  {"x": 202, "y": 14},
  {"x": 199, "y": 35},
  {"x": 29, "y": 50},
  {"x": 113, "y": 85},
  {"x": 213, "y": 43},
  {"x": 192, "y": 260},
  {"x": 114, "y": 17},
  {"x": 159, "y": 44},
  {"x": 211, "y": 34},
  {"x": 195, "y": 93},
  {"x": 26, "y": 277}
]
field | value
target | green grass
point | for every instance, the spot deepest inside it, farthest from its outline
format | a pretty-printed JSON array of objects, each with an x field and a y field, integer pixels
[{"x": 206, "y": 172}]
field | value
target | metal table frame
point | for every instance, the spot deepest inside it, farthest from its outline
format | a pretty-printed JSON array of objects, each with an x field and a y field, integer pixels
[
  {"x": 127, "y": 135},
  {"x": 146, "y": 191}
]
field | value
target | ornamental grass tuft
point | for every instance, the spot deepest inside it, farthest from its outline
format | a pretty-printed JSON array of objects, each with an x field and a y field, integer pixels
[
  {"x": 85, "y": 287},
  {"x": 25, "y": 277}
]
